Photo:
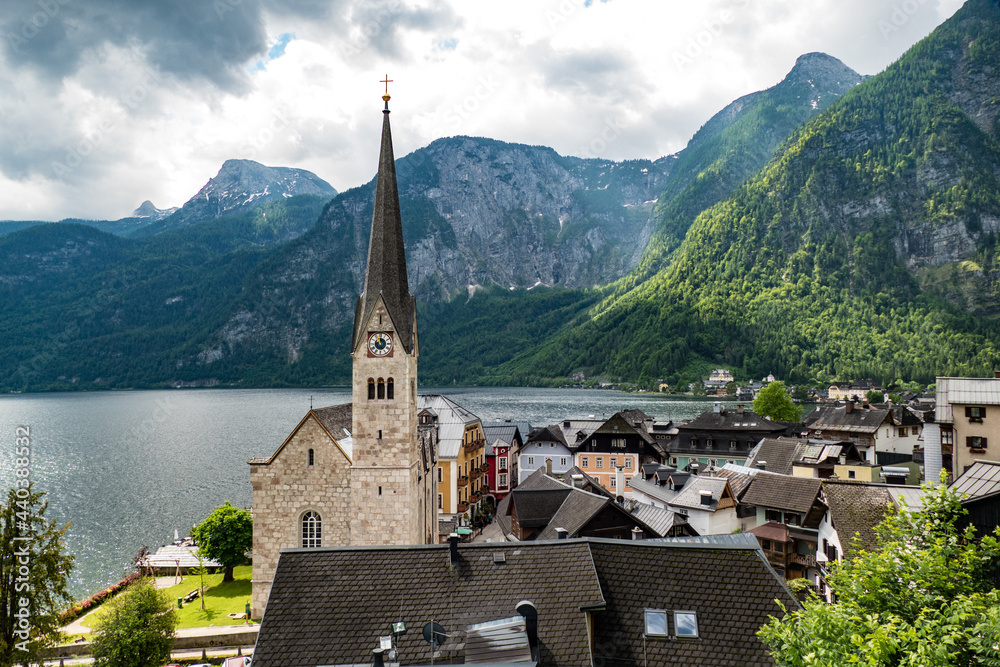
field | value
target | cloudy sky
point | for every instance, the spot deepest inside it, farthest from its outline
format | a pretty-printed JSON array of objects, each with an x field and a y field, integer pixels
[{"x": 106, "y": 103}]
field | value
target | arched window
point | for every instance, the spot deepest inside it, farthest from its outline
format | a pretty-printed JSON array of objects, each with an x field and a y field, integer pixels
[
  {"x": 381, "y": 388},
  {"x": 312, "y": 531},
  {"x": 312, "y": 458},
  {"x": 389, "y": 389},
  {"x": 371, "y": 389}
]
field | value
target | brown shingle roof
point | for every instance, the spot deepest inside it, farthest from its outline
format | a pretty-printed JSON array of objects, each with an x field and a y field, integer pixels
[
  {"x": 330, "y": 606},
  {"x": 856, "y": 509},
  {"x": 795, "y": 494}
]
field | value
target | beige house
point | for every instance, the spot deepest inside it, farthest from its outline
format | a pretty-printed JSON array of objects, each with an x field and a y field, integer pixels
[{"x": 967, "y": 422}]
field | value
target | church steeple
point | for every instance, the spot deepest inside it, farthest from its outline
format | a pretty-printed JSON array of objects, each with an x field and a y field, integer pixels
[{"x": 386, "y": 273}]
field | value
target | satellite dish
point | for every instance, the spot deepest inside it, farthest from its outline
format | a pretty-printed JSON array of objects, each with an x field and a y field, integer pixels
[{"x": 434, "y": 634}]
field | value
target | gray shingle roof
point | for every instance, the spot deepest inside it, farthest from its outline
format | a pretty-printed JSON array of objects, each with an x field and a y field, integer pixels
[
  {"x": 778, "y": 454},
  {"x": 856, "y": 509},
  {"x": 730, "y": 420},
  {"x": 330, "y": 606},
  {"x": 690, "y": 495},
  {"x": 795, "y": 494}
]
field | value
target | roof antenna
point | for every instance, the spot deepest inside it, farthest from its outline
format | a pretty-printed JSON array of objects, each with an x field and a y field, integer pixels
[{"x": 310, "y": 403}]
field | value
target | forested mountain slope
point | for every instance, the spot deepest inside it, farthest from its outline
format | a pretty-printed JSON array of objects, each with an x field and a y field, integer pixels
[{"x": 865, "y": 248}]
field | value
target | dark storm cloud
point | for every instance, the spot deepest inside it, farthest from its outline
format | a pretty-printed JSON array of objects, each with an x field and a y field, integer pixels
[
  {"x": 208, "y": 40},
  {"x": 381, "y": 22}
]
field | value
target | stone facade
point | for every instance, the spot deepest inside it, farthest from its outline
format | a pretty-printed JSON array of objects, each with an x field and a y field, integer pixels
[{"x": 285, "y": 487}]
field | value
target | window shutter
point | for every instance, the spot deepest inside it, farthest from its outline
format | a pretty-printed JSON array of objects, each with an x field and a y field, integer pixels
[
  {"x": 982, "y": 413},
  {"x": 968, "y": 411},
  {"x": 968, "y": 441},
  {"x": 982, "y": 443}
]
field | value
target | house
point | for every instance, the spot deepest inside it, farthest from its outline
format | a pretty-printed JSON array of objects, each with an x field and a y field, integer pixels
[
  {"x": 584, "y": 601},
  {"x": 966, "y": 424},
  {"x": 544, "y": 507},
  {"x": 823, "y": 459},
  {"x": 853, "y": 511},
  {"x": 789, "y": 511},
  {"x": 722, "y": 435},
  {"x": 719, "y": 378},
  {"x": 461, "y": 454},
  {"x": 613, "y": 452},
  {"x": 546, "y": 443},
  {"x": 885, "y": 435},
  {"x": 502, "y": 440},
  {"x": 708, "y": 504},
  {"x": 979, "y": 487},
  {"x": 851, "y": 391}
]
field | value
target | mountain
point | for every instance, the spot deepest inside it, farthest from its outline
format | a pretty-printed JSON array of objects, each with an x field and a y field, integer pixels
[
  {"x": 253, "y": 298},
  {"x": 239, "y": 186},
  {"x": 737, "y": 142},
  {"x": 146, "y": 210},
  {"x": 867, "y": 247}
]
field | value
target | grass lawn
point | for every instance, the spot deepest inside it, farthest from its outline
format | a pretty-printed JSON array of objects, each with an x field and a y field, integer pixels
[{"x": 220, "y": 600}]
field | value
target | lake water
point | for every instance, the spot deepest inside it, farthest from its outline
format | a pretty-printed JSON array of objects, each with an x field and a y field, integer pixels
[{"x": 127, "y": 469}]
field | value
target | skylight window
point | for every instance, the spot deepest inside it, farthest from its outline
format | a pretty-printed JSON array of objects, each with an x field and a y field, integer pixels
[
  {"x": 686, "y": 624},
  {"x": 656, "y": 622}
]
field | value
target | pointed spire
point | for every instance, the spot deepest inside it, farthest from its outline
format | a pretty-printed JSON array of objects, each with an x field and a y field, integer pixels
[{"x": 386, "y": 273}]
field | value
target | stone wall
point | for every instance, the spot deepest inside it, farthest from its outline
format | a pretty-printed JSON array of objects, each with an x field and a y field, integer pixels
[{"x": 286, "y": 488}]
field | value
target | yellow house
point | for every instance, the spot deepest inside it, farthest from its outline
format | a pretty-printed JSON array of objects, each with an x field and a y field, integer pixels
[{"x": 461, "y": 463}]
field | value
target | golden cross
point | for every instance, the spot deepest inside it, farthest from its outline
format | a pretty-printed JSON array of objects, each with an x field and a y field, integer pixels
[{"x": 386, "y": 81}]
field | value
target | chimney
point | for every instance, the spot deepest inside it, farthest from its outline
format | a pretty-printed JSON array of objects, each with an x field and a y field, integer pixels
[
  {"x": 843, "y": 459},
  {"x": 637, "y": 533},
  {"x": 578, "y": 481},
  {"x": 377, "y": 660},
  {"x": 762, "y": 465},
  {"x": 996, "y": 375},
  {"x": 453, "y": 549},
  {"x": 561, "y": 533},
  {"x": 694, "y": 468},
  {"x": 849, "y": 407},
  {"x": 717, "y": 408},
  {"x": 740, "y": 409},
  {"x": 706, "y": 497},
  {"x": 620, "y": 480}
]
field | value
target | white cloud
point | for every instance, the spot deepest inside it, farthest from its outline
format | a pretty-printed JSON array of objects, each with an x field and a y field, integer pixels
[{"x": 157, "y": 111}]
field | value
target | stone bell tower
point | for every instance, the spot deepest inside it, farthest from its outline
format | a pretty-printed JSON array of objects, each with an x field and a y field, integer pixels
[{"x": 391, "y": 479}]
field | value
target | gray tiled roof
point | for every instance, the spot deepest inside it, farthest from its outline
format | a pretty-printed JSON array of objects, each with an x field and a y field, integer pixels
[
  {"x": 731, "y": 420},
  {"x": 386, "y": 269},
  {"x": 690, "y": 496},
  {"x": 577, "y": 509},
  {"x": 856, "y": 509},
  {"x": 535, "y": 507},
  {"x": 335, "y": 419},
  {"x": 778, "y": 454},
  {"x": 795, "y": 494},
  {"x": 330, "y": 606},
  {"x": 659, "y": 519}
]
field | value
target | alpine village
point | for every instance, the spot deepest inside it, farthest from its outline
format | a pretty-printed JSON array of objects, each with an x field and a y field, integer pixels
[{"x": 819, "y": 267}]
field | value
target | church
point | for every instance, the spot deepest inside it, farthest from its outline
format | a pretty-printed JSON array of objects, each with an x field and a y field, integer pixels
[{"x": 358, "y": 474}]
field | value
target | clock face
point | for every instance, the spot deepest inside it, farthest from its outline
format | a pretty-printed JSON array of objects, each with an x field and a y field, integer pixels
[{"x": 380, "y": 344}]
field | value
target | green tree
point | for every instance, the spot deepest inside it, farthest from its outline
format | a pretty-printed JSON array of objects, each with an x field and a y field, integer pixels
[
  {"x": 136, "y": 629},
  {"x": 875, "y": 397},
  {"x": 34, "y": 571},
  {"x": 225, "y": 537},
  {"x": 924, "y": 597},
  {"x": 774, "y": 402}
]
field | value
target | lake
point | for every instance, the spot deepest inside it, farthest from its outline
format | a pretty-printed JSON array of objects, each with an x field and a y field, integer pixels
[{"x": 126, "y": 469}]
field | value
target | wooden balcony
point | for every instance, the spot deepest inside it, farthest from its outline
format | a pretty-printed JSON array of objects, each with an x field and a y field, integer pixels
[
  {"x": 473, "y": 446},
  {"x": 462, "y": 507},
  {"x": 806, "y": 560},
  {"x": 463, "y": 481}
]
